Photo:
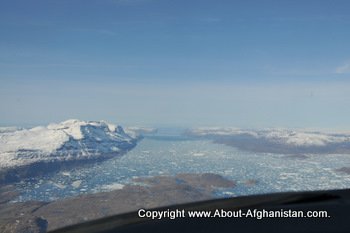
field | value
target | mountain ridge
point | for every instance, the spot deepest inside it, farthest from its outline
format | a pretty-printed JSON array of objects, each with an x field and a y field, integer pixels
[{"x": 65, "y": 141}]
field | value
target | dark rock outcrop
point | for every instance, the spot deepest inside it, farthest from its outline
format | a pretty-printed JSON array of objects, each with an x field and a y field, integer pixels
[{"x": 149, "y": 192}]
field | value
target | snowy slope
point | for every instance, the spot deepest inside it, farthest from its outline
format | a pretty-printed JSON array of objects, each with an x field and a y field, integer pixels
[
  {"x": 278, "y": 140},
  {"x": 69, "y": 140}
]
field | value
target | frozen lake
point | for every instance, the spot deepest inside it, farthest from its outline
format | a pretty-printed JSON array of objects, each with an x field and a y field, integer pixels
[{"x": 167, "y": 155}]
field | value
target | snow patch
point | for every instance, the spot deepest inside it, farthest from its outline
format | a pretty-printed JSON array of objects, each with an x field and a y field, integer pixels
[
  {"x": 113, "y": 186},
  {"x": 76, "y": 184}
]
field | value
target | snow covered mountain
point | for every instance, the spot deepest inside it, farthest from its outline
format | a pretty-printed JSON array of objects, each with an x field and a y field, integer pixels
[
  {"x": 70, "y": 140},
  {"x": 278, "y": 140}
]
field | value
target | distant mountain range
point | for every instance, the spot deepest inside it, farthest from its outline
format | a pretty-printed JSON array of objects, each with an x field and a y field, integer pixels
[
  {"x": 283, "y": 141},
  {"x": 35, "y": 151}
]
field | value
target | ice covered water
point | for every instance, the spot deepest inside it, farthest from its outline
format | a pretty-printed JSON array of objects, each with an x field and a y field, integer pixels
[{"x": 168, "y": 155}]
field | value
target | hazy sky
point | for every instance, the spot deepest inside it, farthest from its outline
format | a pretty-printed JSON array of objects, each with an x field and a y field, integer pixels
[{"x": 188, "y": 63}]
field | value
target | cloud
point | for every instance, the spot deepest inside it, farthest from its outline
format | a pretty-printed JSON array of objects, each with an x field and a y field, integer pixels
[{"x": 343, "y": 69}]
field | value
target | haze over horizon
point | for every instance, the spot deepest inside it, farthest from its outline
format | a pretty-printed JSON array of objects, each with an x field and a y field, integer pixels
[{"x": 249, "y": 64}]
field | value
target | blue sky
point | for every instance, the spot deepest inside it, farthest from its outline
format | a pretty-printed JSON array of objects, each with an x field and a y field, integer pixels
[{"x": 186, "y": 63}]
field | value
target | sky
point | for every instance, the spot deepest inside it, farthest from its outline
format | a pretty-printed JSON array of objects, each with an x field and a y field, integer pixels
[{"x": 249, "y": 64}]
